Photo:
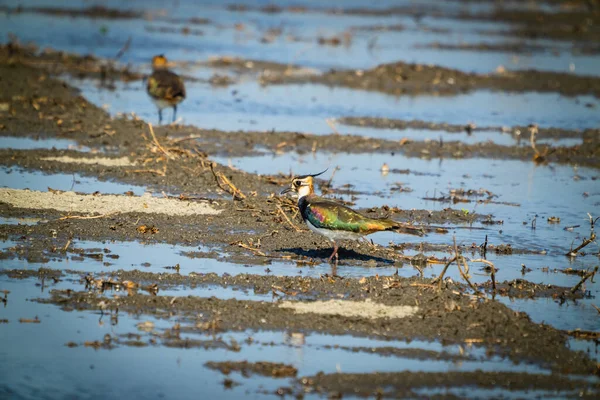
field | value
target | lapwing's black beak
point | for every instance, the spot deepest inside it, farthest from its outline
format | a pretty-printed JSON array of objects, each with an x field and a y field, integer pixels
[{"x": 286, "y": 190}]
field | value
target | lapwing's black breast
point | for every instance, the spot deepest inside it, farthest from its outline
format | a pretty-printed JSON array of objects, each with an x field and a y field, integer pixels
[{"x": 303, "y": 206}]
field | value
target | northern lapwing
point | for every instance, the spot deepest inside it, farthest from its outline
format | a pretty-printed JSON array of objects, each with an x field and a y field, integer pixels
[
  {"x": 165, "y": 88},
  {"x": 336, "y": 221}
]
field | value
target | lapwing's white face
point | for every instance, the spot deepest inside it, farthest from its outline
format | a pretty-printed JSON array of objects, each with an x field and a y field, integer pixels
[
  {"x": 304, "y": 186},
  {"x": 301, "y": 186}
]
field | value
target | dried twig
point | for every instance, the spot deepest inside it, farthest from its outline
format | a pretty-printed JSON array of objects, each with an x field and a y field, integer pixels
[
  {"x": 579, "y": 334},
  {"x": 183, "y": 139},
  {"x": 231, "y": 189},
  {"x": 36, "y": 320},
  {"x": 88, "y": 217},
  {"x": 331, "y": 123},
  {"x": 328, "y": 184},
  {"x": 465, "y": 276},
  {"x": 252, "y": 249},
  {"x": 155, "y": 140},
  {"x": 493, "y": 270},
  {"x": 483, "y": 246},
  {"x": 538, "y": 157},
  {"x": 418, "y": 268},
  {"x": 573, "y": 253},
  {"x": 585, "y": 278},
  {"x": 592, "y": 220},
  {"x": 440, "y": 278},
  {"x": 287, "y": 219},
  {"x": 458, "y": 259},
  {"x": 492, "y": 273},
  {"x": 124, "y": 48},
  {"x": 424, "y": 285},
  {"x": 150, "y": 171}
]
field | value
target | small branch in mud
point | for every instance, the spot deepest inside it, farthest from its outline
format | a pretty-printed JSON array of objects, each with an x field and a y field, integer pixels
[
  {"x": 573, "y": 253},
  {"x": 124, "y": 49},
  {"x": 257, "y": 251},
  {"x": 440, "y": 278},
  {"x": 538, "y": 157},
  {"x": 151, "y": 171},
  {"x": 87, "y": 217},
  {"x": 326, "y": 187},
  {"x": 155, "y": 140},
  {"x": 331, "y": 123},
  {"x": 35, "y": 320},
  {"x": 483, "y": 247},
  {"x": 492, "y": 270},
  {"x": 229, "y": 188},
  {"x": 464, "y": 274},
  {"x": 247, "y": 247},
  {"x": 287, "y": 219},
  {"x": 466, "y": 271},
  {"x": 586, "y": 335},
  {"x": 592, "y": 221},
  {"x": 585, "y": 278}
]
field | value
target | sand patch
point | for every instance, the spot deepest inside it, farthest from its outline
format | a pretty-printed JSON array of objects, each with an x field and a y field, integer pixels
[
  {"x": 102, "y": 204},
  {"x": 364, "y": 309},
  {"x": 104, "y": 161}
]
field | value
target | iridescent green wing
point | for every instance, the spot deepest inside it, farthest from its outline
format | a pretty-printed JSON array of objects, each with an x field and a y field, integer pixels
[{"x": 327, "y": 214}]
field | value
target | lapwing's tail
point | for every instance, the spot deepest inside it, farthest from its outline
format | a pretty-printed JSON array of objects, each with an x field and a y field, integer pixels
[{"x": 404, "y": 228}]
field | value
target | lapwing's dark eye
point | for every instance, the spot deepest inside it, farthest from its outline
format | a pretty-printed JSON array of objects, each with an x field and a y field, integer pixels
[{"x": 297, "y": 183}]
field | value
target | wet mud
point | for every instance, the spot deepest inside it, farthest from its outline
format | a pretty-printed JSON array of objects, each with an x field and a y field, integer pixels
[
  {"x": 513, "y": 334},
  {"x": 66, "y": 114},
  {"x": 401, "y": 385},
  {"x": 402, "y": 78}
]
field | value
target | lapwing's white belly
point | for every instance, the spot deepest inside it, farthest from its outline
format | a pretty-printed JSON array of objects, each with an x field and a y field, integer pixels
[
  {"x": 334, "y": 234},
  {"x": 160, "y": 104}
]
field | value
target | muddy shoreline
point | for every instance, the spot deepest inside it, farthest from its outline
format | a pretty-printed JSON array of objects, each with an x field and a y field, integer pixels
[
  {"x": 401, "y": 385},
  {"x": 524, "y": 342},
  {"x": 71, "y": 114}
]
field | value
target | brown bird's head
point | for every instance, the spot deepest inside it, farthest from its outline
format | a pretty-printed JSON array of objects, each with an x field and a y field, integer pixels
[
  {"x": 302, "y": 185},
  {"x": 159, "y": 62}
]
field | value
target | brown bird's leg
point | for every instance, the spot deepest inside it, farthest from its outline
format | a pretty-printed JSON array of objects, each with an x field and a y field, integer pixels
[
  {"x": 159, "y": 116},
  {"x": 174, "y": 112},
  {"x": 335, "y": 250},
  {"x": 334, "y": 269}
]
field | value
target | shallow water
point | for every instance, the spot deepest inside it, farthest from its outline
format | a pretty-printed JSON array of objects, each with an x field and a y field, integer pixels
[
  {"x": 157, "y": 257},
  {"x": 498, "y": 137},
  {"x": 160, "y": 258},
  {"x": 28, "y": 143},
  {"x": 20, "y": 221},
  {"x": 58, "y": 366},
  {"x": 530, "y": 186},
  {"x": 16, "y": 178},
  {"x": 297, "y": 42},
  {"x": 249, "y": 106}
]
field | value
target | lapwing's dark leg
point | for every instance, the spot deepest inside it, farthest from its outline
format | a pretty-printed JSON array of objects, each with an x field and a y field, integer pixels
[
  {"x": 334, "y": 269},
  {"x": 159, "y": 116},
  {"x": 335, "y": 250},
  {"x": 174, "y": 112}
]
